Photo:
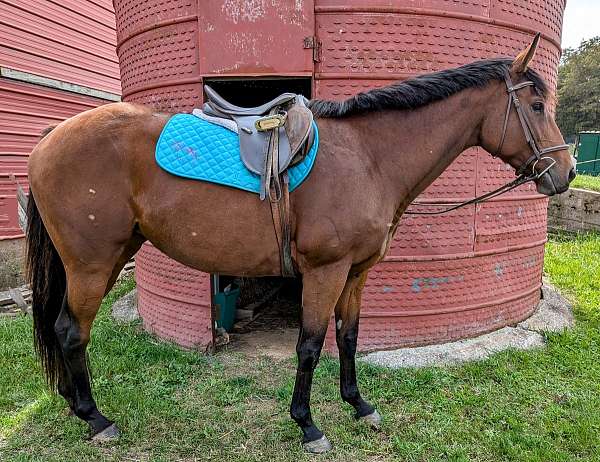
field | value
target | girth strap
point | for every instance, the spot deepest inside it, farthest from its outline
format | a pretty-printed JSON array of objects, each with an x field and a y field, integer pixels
[
  {"x": 280, "y": 211},
  {"x": 279, "y": 199}
]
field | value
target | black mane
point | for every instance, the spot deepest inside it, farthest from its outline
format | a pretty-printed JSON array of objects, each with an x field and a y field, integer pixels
[{"x": 423, "y": 89}]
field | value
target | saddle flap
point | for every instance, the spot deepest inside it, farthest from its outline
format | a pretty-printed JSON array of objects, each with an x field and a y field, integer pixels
[{"x": 298, "y": 127}]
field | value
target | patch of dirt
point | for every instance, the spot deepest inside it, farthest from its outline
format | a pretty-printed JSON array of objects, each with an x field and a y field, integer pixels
[
  {"x": 278, "y": 344},
  {"x": 273, "y": 330}
]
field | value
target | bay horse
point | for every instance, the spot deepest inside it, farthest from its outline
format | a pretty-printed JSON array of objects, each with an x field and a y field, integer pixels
[{"x": 97, "y": 195}]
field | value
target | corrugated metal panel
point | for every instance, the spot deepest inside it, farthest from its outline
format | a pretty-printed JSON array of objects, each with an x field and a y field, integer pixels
[
  {"x": 71, "y": 40},
  {"x": 174, "y": 301},
  {"x": 25, "y": 111}
]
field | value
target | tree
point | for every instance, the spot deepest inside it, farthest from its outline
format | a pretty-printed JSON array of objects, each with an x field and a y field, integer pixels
[{"x": 579, "y": 89}]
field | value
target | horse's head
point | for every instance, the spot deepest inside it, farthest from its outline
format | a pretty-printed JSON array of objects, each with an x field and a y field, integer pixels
[{"x": 522, "y": 132}]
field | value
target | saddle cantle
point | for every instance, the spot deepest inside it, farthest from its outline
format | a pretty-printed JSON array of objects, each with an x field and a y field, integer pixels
[{"x": 273, "y": 136}]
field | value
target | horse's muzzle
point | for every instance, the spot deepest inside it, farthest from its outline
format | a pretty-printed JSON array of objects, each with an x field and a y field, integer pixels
[{"x": 550, "y": 183}]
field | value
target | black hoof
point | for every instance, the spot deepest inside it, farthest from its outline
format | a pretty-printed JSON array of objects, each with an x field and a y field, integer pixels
[{"x": 108, "y": 434}]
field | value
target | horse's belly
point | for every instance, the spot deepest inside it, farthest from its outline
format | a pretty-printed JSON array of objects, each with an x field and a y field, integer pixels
[{"x": 213, "y": 228}]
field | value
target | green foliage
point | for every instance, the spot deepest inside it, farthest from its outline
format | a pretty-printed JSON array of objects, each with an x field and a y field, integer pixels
[{"x": 579, "y": 89}]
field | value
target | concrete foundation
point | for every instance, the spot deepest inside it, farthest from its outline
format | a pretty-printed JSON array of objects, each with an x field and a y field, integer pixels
[{"x": 576, "y": 210}]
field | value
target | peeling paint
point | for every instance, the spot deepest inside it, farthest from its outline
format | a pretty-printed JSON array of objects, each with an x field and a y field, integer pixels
[
  {"x": 419, "y": 284},
  {"x": 244, "y": 10},
  {"x": 499, "y": 270}
]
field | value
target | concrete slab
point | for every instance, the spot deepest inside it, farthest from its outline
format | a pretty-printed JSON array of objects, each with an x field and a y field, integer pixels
[
  {"x": 554, "y": 313},
  {"x": 453, "y": 353}
]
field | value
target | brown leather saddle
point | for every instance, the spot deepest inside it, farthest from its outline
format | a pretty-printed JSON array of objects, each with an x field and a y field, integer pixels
[{"x": 273, "y": 137}]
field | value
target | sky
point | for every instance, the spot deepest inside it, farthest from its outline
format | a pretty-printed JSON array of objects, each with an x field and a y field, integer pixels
[{"x": 582, "y": 21}]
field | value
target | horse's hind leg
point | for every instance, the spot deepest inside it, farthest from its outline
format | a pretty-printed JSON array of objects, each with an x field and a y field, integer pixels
[
  {"x": 85, "y": 290},
  {"x": 347, "y": 313}
]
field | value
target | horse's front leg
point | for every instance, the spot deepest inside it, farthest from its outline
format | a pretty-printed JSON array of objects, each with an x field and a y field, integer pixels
[
  {"x": 320, "y": 292},
  {"x": 347, "y": 313}
]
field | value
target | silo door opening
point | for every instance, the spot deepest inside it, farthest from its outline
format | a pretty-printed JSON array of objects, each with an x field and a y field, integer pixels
[{"x": 259, "y": 316}]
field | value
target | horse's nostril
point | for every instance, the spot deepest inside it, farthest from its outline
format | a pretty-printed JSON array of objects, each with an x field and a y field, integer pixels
[{"x": 572, "y": 175}]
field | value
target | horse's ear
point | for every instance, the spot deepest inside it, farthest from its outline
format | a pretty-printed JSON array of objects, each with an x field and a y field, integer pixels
[{"x": 522, "y": 61}]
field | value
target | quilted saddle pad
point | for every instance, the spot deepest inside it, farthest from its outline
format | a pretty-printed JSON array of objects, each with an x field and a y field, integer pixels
[{"x": 194, "y": 148}]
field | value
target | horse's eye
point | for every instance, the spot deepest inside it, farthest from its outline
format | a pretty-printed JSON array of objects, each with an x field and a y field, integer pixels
[{"x": 538, "y": 107}]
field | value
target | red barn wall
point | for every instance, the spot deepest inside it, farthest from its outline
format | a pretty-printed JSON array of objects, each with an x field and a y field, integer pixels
[{"x": 48, "y": 44}]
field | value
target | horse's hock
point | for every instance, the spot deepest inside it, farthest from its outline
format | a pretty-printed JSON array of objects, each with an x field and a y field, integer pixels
[{"x": 445, "y": 277}]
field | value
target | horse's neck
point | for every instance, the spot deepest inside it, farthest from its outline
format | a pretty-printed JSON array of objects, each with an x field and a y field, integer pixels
[{"x": 413, "y": 147}]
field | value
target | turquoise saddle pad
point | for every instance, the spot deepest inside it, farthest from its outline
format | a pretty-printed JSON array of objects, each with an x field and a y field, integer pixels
[{"x": 194, "y": 148}]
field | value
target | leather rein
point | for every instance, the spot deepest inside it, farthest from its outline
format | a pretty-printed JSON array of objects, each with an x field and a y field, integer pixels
[{"x": 529, "y": 164}]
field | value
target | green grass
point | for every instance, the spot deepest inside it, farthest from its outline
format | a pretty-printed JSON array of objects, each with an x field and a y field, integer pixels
[
  {"x": 178, "y": 406},
  {"x": 589, "y": 182}
]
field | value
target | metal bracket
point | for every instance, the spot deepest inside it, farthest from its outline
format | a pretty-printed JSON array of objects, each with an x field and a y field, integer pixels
[{"x": 315, "y": 44}]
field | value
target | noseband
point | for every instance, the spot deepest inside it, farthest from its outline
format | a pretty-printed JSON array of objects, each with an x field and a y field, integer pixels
[
  {"x": 529, "y": 164},
  {"x": 538, "y": 154}
]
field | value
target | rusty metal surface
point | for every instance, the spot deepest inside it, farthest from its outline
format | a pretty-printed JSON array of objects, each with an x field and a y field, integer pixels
[
  {"x": 25, "y": 111},
  {"x": 73, "y": 41},
  {"x": 256, "y": 37},
  {"x": 446, "y": 277}
]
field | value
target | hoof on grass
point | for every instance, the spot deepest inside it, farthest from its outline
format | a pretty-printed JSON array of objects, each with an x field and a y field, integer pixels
[
  {"x": 373, "y": 419},
  {"x": 320, "y": 446},
  {"x": 110, "y": 433}
]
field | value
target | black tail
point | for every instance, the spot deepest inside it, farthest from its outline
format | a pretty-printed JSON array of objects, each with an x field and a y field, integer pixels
[{"x": 46, "y": 275}]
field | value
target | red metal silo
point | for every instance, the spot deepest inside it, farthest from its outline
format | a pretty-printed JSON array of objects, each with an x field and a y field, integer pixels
[{"x": 446, "y": 277}]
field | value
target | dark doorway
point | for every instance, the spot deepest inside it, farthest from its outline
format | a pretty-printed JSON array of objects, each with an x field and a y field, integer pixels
[{"x": 254, "y": 92}]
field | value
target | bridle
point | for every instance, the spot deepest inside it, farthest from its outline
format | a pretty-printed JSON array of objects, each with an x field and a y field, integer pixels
[{"x": 528, "y": 165}]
